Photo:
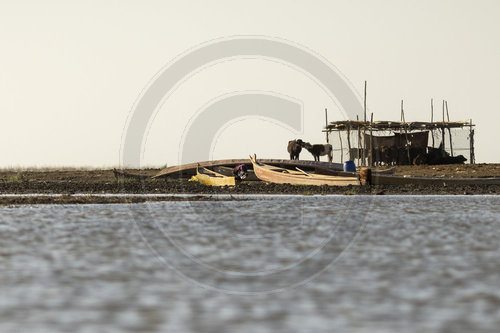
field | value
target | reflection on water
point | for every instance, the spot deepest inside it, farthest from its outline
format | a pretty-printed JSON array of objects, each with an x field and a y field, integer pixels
[{"x": 320, "y": 263}]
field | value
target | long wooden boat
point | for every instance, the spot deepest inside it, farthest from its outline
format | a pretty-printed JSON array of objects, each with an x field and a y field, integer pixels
[
  {"x": 387, "y": 177},
  {"x": 190, "y": 168},
  {"x": 380, "y": 179},
  {"x": 212, "y": 178},
  {"x": 389, "y": 171},
  {"x": 279, "y": 175},
  {"x": 323, "y": 171}
]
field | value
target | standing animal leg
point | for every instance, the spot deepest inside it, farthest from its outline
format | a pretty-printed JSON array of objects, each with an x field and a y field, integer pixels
[{"x": 330, "y": 157}]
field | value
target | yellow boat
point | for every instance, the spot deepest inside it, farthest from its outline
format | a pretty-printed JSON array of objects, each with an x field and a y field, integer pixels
[{"x": 212, "y": 178}]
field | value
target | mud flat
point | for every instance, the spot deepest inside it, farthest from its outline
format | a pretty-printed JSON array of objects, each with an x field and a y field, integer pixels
[
  {"x": 68, "y": 199},
  {"x": 91, "y": 182}
]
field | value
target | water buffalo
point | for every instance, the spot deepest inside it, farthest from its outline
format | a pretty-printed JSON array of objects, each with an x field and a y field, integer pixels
[
  {"x": 410, "y": 155},
  {"x": 389, "y": 155},
  {"x": 460, "y": 159},
  {"x": 318, "y": 150},
  {"x": 294, "y": 148},
  {"x": 355, "y": 153},
  {"x": 438, "y": 156}
]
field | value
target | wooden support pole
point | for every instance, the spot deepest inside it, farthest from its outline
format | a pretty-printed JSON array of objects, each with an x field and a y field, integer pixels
[
  {"x": 401, "y": 115},
  {"x": 364, "y": 148},
  {"x": 400, "y": 130},
  {"x": 341, "y": 149},
  {"x": 349, "y": 141},
  {"x": 443, "y": 110},
  {"x": 358, "y": 153},
  {"x": 432, "y": 120},
  {"x": 471, "y": 144},
  {"x": 449, "y": 129},
  {"x": 370, "y": 156},
  {"x": 442, "y": 139},
  {"x": 326, "y": 125},
  {"x": 442, "y": 131},
  {"x": 406, "y": 133},
  {"x": 432, "y": 110},
  {"x": 364, "y": 102},
  {"x": 363, "y": 154},
  {"x": 364, "y": 128}
]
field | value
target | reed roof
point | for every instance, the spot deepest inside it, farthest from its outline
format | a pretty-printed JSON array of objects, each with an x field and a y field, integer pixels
[{"x": 345, "y": 125}]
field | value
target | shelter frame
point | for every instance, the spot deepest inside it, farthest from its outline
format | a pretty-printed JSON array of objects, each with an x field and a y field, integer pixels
[{"x": 400, "y": 126}]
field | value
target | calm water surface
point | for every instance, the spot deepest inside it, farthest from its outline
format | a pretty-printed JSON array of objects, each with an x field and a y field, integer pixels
[{"x": 265, "y": 264}]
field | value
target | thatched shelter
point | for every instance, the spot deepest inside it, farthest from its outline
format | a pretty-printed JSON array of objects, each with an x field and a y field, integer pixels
[{"x": 363, "y": 140}]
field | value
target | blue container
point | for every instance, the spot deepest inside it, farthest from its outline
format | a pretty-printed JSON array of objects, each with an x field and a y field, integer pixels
[{"x": 349, "y": 166}]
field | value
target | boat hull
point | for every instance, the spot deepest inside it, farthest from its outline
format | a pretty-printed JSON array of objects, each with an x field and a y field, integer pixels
[
  {"x": 210, "y": 178},
  {"x": 379, "y": 179},
  {"x": 190, "y": 168},
  {"x": 284, "y": 176}
]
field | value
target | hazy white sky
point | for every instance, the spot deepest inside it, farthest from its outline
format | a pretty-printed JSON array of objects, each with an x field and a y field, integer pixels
[{"x": 70, "y": 71}]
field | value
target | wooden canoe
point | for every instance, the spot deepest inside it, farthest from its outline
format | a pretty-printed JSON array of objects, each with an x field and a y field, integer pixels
[
  {"x": 380, "y": 179},
  {"x": 389, "y": 171},
  {"x": 190, "y": 168},
  {"x": 279, "y": 175},
  {"x": 211, "y": 178},
  {"x": 322, "y": 171}
]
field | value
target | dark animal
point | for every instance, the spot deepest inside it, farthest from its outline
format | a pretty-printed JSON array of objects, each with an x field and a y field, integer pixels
[
  {"x": 318, "y": 150},
  {"x": 421, "y": 159},
  {"x": 294, "y": 148},
  {"x": 460, "y": 159},
  {"x": 355, "y": 153},
  {"x": 376, "y": 156},
  {"x": 415, "y": 140},
  {"x": 393, "y": 149},
  {"x": 436, "y": 156},
  {"x": 413, "y": 152},
  {"x": 390, "y": 155},
  {"x": 381, "y": 156},
  {"x": 379, "y": 141},
  {"x": 446, "y": 159}
]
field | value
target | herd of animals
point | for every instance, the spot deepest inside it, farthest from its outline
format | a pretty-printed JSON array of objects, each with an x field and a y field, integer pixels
[
  {"x": 381, "y": 156},
  {"x": 415, "y": 156}
]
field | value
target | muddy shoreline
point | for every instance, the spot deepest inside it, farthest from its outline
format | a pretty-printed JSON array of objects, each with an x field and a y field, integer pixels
[{"x": 89, "y": 182}]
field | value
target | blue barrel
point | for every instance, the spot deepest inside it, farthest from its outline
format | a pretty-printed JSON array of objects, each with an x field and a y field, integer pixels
[{"x": 349, "y": 166}]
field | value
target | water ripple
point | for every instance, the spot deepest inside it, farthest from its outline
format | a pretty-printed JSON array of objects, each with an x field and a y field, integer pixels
[{"x": 417, "y": 264}]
